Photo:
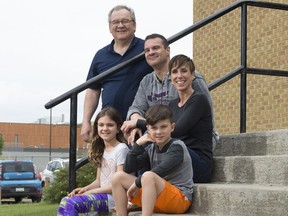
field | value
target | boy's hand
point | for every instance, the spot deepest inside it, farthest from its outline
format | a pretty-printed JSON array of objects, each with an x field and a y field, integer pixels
[
  {"x": 144, "y": 139},
  {"x": 132, "y": 191}
]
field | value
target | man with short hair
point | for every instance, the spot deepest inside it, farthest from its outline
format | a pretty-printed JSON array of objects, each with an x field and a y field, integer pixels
[
  {"x": 118, "y": 90},
  {"x": 156, "y": 87}
]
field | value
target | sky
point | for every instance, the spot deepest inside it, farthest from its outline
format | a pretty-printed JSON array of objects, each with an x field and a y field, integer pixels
[{"x": 46, "y": 48}]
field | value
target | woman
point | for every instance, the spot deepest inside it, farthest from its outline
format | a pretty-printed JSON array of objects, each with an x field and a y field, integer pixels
[{"x": 193, "y": 117}]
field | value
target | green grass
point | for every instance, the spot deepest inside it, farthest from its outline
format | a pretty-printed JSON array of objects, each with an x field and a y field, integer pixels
[{"x": 29, "y": 209}]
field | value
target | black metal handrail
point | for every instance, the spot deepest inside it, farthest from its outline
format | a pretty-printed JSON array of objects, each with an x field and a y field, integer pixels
[{"x": 241, "y": 70}]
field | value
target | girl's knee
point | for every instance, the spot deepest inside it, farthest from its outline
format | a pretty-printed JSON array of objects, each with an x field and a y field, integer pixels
[{"x": 117, "y": 176}]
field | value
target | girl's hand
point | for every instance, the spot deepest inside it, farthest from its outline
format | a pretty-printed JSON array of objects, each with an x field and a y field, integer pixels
[
  {"x": 77, "y": 191},
  {"x": 82, "y": 190}
]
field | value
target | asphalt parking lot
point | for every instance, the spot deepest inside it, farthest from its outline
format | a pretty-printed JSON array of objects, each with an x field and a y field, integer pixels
[{"x": 12, "y": 201}]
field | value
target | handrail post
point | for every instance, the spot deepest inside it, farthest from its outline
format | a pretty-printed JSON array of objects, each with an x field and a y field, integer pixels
[
  {"x": 73, "y": 142},
  {"x": 243, "y": 84}
]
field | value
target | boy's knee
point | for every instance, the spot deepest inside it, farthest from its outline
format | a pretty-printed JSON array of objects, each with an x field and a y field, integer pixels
[{"x": 148, "y": 176}]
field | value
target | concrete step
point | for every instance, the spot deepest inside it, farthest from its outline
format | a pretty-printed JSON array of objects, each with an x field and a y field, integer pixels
[
  {"x": 274, "y": 142},
  {"x": 270, "y": 169},
  {"x": 251, "y": 171},
  {"x": 240, "y": 199},
  {"x": 139, "y": 213}
]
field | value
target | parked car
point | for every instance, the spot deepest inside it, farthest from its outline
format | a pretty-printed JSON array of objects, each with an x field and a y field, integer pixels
[
  {"x": 53, "y": 166},
  {"x": 20, "y": 179}
]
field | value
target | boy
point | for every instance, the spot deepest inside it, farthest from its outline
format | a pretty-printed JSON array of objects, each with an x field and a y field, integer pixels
[{"x": 168, "y": 186}]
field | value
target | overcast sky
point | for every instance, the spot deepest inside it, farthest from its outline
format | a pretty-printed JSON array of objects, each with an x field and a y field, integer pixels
[{"x": 46, "y": 47}]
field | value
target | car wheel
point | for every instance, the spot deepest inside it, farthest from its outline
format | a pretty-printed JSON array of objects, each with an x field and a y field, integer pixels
[
  {"x": 36, "y": 199},
  {"x": 18, "y": 199}
]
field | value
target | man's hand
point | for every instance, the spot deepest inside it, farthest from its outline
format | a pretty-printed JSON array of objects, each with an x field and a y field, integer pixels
[
  {"x": 85, "y": 132},
  {"x": 127, "y": 126}
]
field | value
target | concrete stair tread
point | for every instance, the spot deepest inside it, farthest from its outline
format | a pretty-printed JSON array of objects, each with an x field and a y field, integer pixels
[
  {"x": 240, "y": 199},
  {"x": 138, "y": 213},
  {"x": 269, "y": 169},
  {"x": 251, "y": 156},
  {"x": 224, "y": 186},
  {"x": 272, "y": 142}
]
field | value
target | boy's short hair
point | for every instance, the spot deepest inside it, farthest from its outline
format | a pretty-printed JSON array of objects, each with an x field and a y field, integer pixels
[{"x": 157, "y": 113}]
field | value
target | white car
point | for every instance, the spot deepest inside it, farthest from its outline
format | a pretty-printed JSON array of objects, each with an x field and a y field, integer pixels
[{"x": 53, "y": 166}]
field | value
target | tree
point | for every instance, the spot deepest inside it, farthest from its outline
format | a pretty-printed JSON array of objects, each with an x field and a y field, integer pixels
[
  {"x": 1, "y": 143},
  {"x": 57, "y": 189}
]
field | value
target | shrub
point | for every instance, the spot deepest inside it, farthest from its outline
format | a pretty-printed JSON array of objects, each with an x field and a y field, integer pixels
[{"x": 57, "y": 189}]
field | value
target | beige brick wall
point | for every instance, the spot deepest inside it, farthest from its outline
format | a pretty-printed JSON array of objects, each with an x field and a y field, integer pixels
[{"x": 217, "y": 52}]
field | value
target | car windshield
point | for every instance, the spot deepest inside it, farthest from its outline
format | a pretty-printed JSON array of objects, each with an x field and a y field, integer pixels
[
  {"x": 17, "y": 167},
  {"x": 66, "y": 164}
]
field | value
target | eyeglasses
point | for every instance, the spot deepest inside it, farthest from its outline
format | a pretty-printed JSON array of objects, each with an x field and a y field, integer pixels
[{"x": 124, "y": 22}]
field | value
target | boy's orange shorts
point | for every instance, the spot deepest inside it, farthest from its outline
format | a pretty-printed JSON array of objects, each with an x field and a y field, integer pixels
[{"x": 170, "y": 200}]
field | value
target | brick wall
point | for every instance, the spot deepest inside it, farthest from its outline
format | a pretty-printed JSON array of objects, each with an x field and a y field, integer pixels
[
  {"x": 217, "y": 52},
  {"x": 38, "y": 135}
]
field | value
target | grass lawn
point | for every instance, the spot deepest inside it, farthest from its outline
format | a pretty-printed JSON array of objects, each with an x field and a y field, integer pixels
[{"x": 28, "y": 209}]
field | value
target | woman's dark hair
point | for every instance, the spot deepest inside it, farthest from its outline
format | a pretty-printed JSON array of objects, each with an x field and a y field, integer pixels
[
  {"x": 180, "y": 60},
  {"x": 96, "y": 149}
]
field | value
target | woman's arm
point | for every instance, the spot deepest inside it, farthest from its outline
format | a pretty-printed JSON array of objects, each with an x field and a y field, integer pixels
[{"x": 195, "y": 108}]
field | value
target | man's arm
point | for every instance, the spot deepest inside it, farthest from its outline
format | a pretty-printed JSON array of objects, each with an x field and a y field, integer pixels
[
  {"x": 136, "y": 111},
  {"x": 140, "y": 103},
  {"x": 90, "y": 105}
]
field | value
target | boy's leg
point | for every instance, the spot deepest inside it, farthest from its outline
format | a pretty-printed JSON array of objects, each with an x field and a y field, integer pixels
[
  {"x": 168, "y": 199},
  {"x": 152, "y": 185},
  {"x": 172, "y": 201},
  {"x": 121, "y": 181}
]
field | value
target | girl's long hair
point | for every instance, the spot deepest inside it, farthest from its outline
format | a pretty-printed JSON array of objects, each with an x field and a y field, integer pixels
[{"x": 96, "y": 149}]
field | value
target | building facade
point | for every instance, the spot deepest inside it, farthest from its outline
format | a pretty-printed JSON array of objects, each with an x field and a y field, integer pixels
[
  {"x": 22, "y": 135},
  {"x": 216, "y": 51}
]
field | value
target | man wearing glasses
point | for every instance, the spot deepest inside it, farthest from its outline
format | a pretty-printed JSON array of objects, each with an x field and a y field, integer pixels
[{"x": 118, "y": 90}]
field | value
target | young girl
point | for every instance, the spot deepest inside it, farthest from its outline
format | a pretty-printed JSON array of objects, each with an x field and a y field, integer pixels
[{"x": 107, "y": 152}]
